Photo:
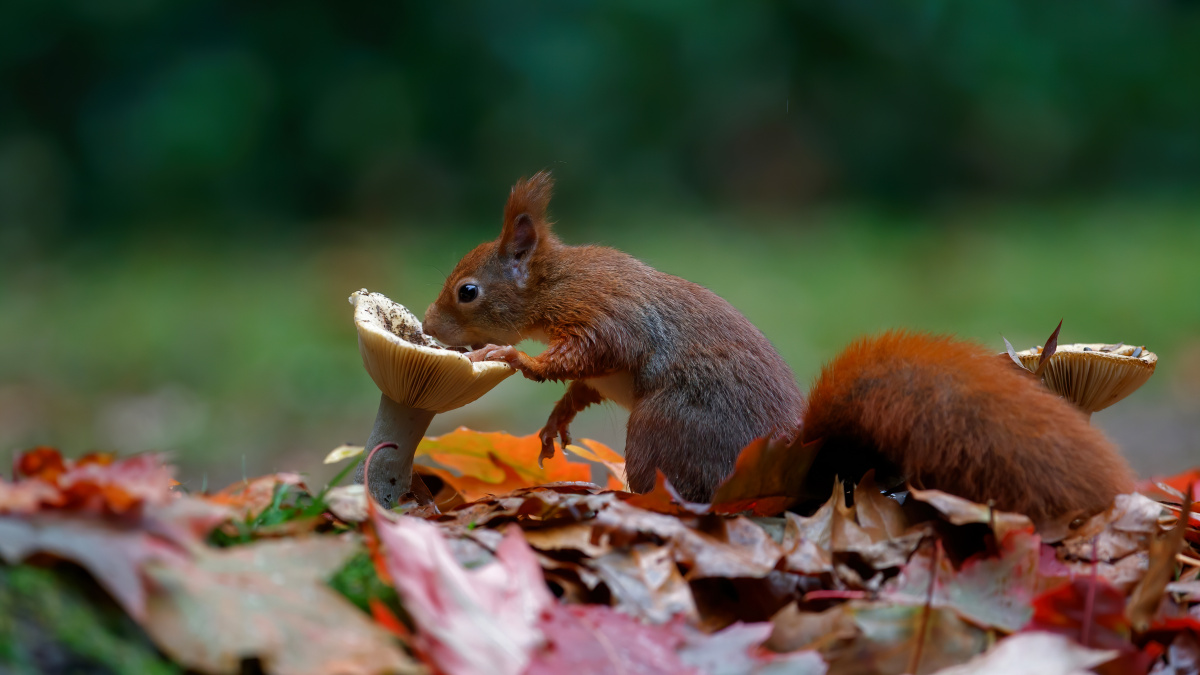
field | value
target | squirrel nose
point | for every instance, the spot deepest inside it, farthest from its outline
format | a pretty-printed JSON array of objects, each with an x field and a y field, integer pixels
[{"x": 431, "y": 324}]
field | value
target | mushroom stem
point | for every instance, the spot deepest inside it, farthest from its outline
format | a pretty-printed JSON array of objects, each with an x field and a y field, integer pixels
[{"x": 404, "y": 426}]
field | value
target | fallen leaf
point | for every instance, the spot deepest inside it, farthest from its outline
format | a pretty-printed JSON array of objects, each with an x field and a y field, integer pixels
[
  {"x": 96, "y": 482},
  {"x": 767, "y": 477},
  {"x": 794, "y": 629},
  {"x": 736, "y": 650},
  {"x": 343, "y": 452},
  {"x": 40, "y": 463},
  {"x": 890, "y": 638},
  {"x": 818, "y": 527},
  {"x": 348, "y": 502},
  {"x": 595, "y": 640},
  {"x": 1181, "y": 481},
  {"x": 1048, "y": 350},
  {"x": 594, "y": 451},
  {"x": 28, "y": 496},
  {"x": 1033, "y": 654},
  {"x": 989, "y": 591},
  {"x": 483, "y": 620},
  {"x": 645, "y": 583},
  {"x": 664, "y": 499},
  {"x": 113, "y": 553},
  {"x": 880, "y": 516},
  {"x": 959, "y": 511},
  {"x": 267, "y": 600},
  {"x": 1182, "y": 656},
  {"x": 250, "y": 497},
  {"x": 1123, "y": 574},
  {"x": 1012, "y": 353},
  {"x": 579, "y": 537},
  {"x": 1088, "y": 611},
  {"x": 1126, "y": 528},
  {"x": 1143, "y": 603},
  {"x": 478, "y": 464},
  {"x": 726, "y": 547},
  {"x": 804, "y": 555}
]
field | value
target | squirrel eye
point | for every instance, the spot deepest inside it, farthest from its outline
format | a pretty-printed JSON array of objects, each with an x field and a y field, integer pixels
[{"x": 468, "y": 292}]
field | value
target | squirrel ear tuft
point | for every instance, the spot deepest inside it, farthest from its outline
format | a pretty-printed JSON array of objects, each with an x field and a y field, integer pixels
[
  {"x": 530, "y": 196},
  {"x": 525, "y": 223}
]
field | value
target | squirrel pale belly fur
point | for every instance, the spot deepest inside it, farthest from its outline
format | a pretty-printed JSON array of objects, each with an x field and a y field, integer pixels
[{"x": 700, "y": 381}]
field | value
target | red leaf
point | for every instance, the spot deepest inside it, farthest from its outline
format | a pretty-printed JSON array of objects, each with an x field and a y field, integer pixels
[
  {"x": 1048, "y": 350},
  {"x": 42, "y": 462},
  {"x": 95, "y": 482},
  {"x": 593, "y": 639},
  {"x": 390, "y": 622},
  {"x": 664, "y": 499}
]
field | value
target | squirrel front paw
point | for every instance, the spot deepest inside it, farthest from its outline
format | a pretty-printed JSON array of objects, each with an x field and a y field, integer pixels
[
  {"x": 547, "y": 435},
  {"x": 490, "y": 352},
  {"x": 507, "y": 354}
]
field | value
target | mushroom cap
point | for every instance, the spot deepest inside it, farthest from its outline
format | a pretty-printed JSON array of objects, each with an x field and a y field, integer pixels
[
  {"x": 1093, "y": 375},
  {"x": 410, "y": 367}
]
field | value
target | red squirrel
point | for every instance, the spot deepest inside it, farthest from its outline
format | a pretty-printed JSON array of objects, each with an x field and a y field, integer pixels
[
  {"x": 700, "y": 381},
  {"x": 955, "y": 416}
]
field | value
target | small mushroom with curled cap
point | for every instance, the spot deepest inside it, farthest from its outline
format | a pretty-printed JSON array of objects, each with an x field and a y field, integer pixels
[
  {"x": 1093, "y": 376},
  {"x": 418, "y": 378}
]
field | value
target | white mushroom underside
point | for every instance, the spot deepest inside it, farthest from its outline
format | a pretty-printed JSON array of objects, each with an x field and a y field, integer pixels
[
  {"x": 427, "y": 378},
  {"x": 1093, "y": 380}
]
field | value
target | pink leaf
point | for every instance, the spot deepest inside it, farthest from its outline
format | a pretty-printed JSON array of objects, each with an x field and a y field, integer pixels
[{"x": 482, "y": 620}]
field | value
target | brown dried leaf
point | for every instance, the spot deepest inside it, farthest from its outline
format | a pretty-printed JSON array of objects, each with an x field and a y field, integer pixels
[
  {"x": 729, "y": 547},
  {"x": 645, "y": 583},
  {"x": 1048, "y": 350},
  {"x": 803, "y": 555},
  {"x": 768, "y": 476},
  {"x": 880, "y": 516},
  {"x": 580, "y": 537},
  {"x": 267, "y": 600},
  {"x": 794, "y": 629},
  {"x": 959, "y": 511},
  {"x": 1125, "y": 528},
  {"x": 1143, "y": 603},
  {"x": 664, "y": 499},
  {"x": 890, "y": 635}
]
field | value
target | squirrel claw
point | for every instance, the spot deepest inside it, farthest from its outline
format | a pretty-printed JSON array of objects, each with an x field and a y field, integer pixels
[{"x": 547, "y": 437}]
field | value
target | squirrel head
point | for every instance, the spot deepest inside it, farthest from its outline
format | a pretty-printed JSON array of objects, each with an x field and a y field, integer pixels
[{"x": 489, "y": 295}]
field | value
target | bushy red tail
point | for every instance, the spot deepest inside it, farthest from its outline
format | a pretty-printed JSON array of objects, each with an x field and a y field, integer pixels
[{"x": 952, "y": 416}]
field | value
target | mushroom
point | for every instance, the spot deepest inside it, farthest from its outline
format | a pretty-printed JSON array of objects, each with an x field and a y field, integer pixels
[
  {"x": 418, "y": 378},
  {"x": 1093, "y": 376}
]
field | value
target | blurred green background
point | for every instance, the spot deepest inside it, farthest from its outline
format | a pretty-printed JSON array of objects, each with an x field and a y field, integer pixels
[{"x": 189, "y": 191}]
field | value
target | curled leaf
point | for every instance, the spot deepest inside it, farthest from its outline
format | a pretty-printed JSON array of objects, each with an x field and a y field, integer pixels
[{"x": 1048, "y": 350}]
